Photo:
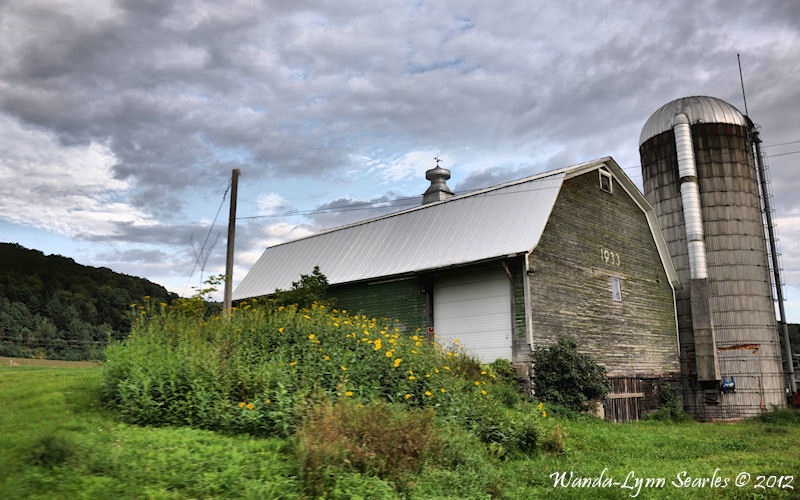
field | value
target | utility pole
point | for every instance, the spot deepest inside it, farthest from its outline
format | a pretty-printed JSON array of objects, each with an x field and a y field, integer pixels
[{"x": 231, "y": 238}]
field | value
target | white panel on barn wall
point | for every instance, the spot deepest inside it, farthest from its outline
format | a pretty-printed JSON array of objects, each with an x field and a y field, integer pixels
[{"x": 475, "y": 308}]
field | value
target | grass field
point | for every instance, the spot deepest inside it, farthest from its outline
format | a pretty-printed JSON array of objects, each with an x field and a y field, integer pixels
[{"x": 57, "y": 441}]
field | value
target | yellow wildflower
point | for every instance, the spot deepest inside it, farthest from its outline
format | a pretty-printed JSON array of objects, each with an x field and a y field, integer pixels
[
  {"x": 428, "y": 393},
  {"x": 412, "y": 377},
  {"x": 344, "y": 368},
  {"x": 348, "y": 393},
  {"x": 280, "y": 329},
  {"x": 389, "y": 354},
  {"x": 250, "y": 406},
  {"x": 242, "y": 404},
  {"x": 544, "y": 414},
  {"x": 483, "y": 392},
  {"x": 397, "y": 362},
  {"x": 312, "y": 337},
  {"x": 539, "y": 408},
  {"x": 408, "y": 396},
  {"x": 442, "y": 389},
  {"x": 378, "y": 344},
  {"x": 477, "y": 383}
]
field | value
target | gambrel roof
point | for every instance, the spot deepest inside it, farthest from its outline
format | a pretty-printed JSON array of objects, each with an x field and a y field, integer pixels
[{"x": 482, "y": 225}]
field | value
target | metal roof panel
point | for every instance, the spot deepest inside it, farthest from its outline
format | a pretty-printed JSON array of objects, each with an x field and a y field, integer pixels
[
  {"x": 494, "y": 222},
  {"x": 490, "y": 223},
  {"x": 699, "y": 109}
]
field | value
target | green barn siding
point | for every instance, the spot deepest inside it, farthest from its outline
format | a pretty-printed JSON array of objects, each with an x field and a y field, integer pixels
[
  {"x": 521, "y": 348},
  {"x": 591, "y": 237},
  {"x": 402, "y": 299}
]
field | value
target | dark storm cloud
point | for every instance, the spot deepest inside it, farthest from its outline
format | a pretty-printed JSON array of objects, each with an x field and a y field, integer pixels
[{"x": 176, "y": 94}]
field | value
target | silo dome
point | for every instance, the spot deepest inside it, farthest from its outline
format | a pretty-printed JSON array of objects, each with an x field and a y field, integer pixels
[{"x": 698, "y": 109}]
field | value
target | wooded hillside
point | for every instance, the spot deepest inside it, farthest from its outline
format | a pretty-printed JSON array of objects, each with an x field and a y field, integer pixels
[{"x": 53, "y": 307}]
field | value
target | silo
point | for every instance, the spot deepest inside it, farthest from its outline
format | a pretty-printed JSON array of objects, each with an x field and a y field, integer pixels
[{"x": 700, "y": 175}]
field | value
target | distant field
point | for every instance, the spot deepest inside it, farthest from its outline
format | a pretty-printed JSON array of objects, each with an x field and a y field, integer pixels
[{"x": 5, "y": 361}]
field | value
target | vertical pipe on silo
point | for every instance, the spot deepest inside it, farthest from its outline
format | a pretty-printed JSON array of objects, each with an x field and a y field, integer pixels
[
  {"x": 707, "y": 362},
  {"x": 690, "y": 196}
]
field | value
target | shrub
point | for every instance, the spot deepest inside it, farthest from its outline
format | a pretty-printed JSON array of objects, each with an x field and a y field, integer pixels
[
  {"x": 507, "y": 432},
  {"x": 783, "y": 416},
  {"x": 372, "y": 439},
  {"x": 555, "y": 440},
  {"x": 311, "y": 289},
  {"x": 504, "y": 370},
  {"x": 670, "y": 409},
  {"x": 564, "y": 376}
]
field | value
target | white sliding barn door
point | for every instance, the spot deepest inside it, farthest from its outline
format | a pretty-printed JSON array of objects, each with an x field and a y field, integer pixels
[{"x": 475, "y": 308}]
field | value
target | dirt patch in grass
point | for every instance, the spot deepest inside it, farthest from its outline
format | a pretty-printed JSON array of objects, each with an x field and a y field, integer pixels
[{"x": 49, "y": 363}]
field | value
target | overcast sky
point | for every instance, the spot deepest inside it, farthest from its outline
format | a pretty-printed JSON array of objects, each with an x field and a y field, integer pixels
[{"x": 120, "y": 121}]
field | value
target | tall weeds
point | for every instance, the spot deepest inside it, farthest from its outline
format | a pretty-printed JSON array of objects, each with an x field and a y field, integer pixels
[
  {"x": 376, "y": 439},
  {"x": 261, "y": 368}
]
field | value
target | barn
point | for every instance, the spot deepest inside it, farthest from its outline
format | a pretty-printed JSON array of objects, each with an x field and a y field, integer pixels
[{"x": 575, "y": 251}]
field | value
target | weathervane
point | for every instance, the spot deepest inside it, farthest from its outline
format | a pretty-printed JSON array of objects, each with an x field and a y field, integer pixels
[{"x": 438, "y": 160}]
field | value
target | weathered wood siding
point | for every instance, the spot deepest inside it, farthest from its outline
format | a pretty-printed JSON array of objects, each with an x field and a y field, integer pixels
[{"x": 593, "y": 236}]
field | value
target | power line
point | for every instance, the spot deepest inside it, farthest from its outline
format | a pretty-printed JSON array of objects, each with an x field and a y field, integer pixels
[
  {"x": 781, "y": 144},
  {"x": 396, "y": 203},
  {"x": 208, "y": 235},
  {"x": 634, "y": 172},
  {"x": 784, "y": 154}
]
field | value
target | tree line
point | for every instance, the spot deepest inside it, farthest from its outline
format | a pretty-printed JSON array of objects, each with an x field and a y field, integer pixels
[{"x": 52, "y": 307}]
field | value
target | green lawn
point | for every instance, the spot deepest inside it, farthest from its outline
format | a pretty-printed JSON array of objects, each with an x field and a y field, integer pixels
[{"x": 58, "y": 442}]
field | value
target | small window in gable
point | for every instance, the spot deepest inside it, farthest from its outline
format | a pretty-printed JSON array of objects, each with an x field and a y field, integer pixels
[
  {"x": 606, "y": 183},
  {"x": 616, "y": 290}
]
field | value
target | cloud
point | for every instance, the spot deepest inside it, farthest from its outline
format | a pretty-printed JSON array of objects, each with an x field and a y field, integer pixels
[
  {"x": 69, "y": 190},
  {"x": 121, "y": 120},
  {"x": 272, "y": 203}
]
